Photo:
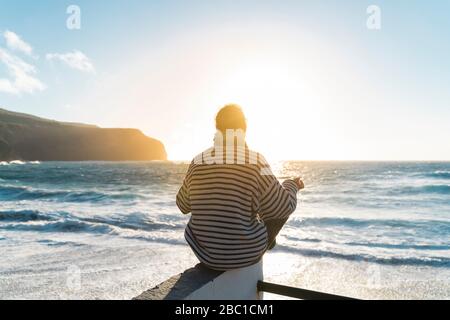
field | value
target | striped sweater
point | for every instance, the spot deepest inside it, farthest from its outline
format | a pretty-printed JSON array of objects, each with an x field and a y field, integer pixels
[{"x": 229, "y": 205}]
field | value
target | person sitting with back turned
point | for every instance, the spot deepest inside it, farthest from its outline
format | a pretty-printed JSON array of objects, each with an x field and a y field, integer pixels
[{"x": 237, "y": 204}]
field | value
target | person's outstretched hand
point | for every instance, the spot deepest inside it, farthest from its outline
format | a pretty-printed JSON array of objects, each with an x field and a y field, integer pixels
[{"x": 299, "y": 183}]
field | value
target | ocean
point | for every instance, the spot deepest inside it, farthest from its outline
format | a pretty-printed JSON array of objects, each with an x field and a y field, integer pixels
[{"x": 107, "y": 230}]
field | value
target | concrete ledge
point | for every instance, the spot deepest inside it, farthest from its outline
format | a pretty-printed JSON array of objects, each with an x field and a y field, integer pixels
[
  {"x": 179, "y": 287},
  {"x": 201, "y": 283}
]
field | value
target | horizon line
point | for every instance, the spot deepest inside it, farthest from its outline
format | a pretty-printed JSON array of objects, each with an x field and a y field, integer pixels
[{"x": 342, "y": 160}]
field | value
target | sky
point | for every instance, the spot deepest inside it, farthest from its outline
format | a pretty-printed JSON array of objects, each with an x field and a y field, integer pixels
[{"x": 315, "y": 81}]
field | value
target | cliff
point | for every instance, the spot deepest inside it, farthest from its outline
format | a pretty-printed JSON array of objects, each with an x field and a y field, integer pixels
[{"x": 26, "y": 137}]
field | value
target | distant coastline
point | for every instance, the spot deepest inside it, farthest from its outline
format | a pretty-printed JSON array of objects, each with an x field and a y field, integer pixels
[{"x": 26, "y": 137}]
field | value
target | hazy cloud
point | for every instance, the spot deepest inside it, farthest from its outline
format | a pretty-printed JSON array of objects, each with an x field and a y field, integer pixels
[
  {"x": 14, "y": 42},
  {"x": 22, "y": 75},
  {"x": 75, "y": 60}
]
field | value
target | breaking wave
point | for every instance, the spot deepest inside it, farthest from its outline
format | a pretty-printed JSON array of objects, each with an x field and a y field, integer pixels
[
  {"x": 15, "y": 193},
  {"x": 415, "y": 261},
  {"x": 18, "y": 162},
  {"x": 29, "y": 220}
]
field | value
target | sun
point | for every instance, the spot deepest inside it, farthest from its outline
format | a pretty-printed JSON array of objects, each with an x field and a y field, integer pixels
[{"x": 280, "y": 106}]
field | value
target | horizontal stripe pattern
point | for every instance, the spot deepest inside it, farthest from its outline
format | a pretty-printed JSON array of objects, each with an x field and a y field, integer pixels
[{"x": 229, "y": 204}]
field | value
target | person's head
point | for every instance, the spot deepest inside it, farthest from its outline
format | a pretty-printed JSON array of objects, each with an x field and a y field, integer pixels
[{"x": 232, "y": 117}]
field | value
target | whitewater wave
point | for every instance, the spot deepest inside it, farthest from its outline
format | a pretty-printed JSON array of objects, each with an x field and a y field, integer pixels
[
  {"x": 366, "y": 223},
  {"x": 60, "y": 226},
  {"x": 30, "y": 220},
  {"x": 311, "y": 240},
  {"x": 135, "y": 222},
  {"x": 54, "y": 243},
  {"x": 15, "y": 193},
  {"x": 24, "y": 216},
  {"x": 150, "y": 238},
  {"x": 406, "y": 246},
  {"x": 18, "y": 162},
  {"x": 442, "y": 262},
  {"x": 442, "y": 189},
  {"x": 398, "y": 246},
  {"x": 438, "y": 174}
]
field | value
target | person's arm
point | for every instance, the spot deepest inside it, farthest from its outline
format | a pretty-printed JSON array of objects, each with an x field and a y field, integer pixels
[
  {"x": 277, "y": 200},
  {"x": 183, "y": 195}
]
